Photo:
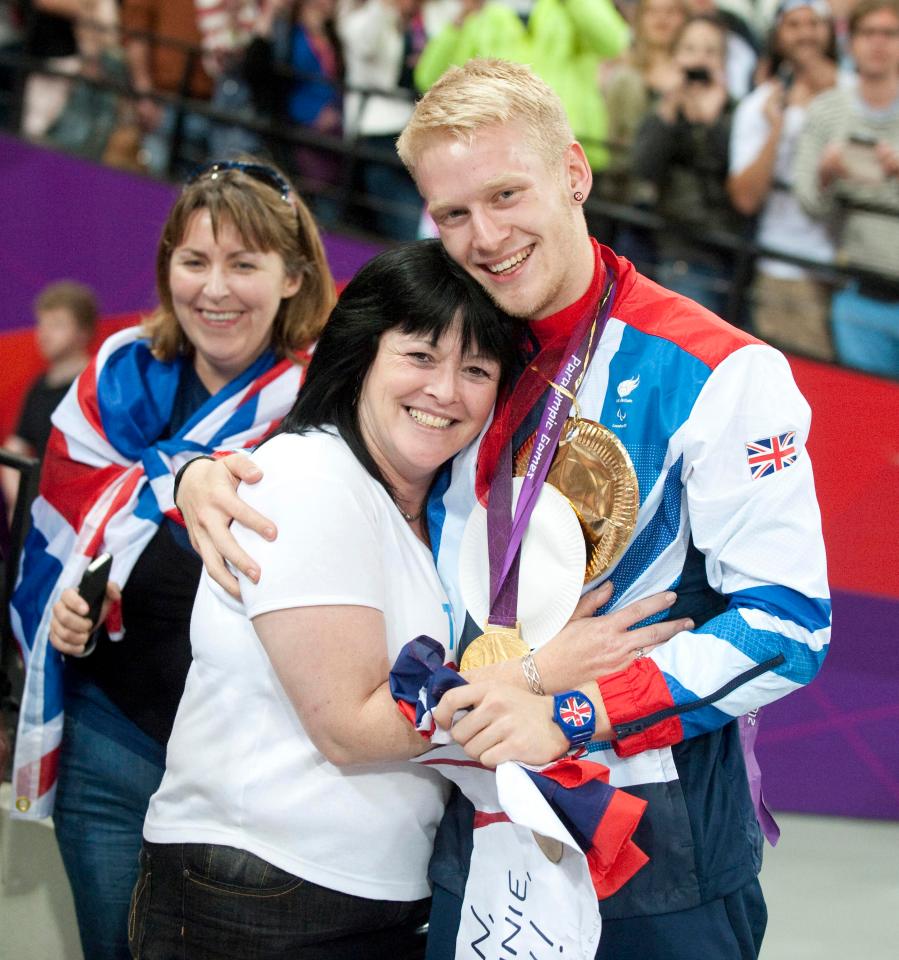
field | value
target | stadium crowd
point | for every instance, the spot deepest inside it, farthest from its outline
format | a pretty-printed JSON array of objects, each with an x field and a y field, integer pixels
[{"x": 746, "y": 124}]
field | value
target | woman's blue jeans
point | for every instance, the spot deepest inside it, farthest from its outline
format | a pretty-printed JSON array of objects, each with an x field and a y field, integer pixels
[
  {"x": 200, "y": 901},
  {"x": 101, "y": 801}
]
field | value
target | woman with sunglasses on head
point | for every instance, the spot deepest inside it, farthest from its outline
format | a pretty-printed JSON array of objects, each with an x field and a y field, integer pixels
[
  {"x": 244, "y": 292},
  {"x": 289, "y": 822}
]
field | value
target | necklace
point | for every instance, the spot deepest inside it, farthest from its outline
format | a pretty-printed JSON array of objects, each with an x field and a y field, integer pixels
[{"x": 411, "y": 517}]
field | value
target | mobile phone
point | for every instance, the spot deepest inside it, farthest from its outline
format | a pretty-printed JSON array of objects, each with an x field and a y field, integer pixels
[
  {"x": 861, "y": 160},
  {"x": 93, "y": 585},
  {"x": 786, "y": 75},
  {"x": 698, "y": 75}
]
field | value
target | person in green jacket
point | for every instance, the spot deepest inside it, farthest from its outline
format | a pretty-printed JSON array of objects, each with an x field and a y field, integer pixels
[{"x": 564, "y": 42}]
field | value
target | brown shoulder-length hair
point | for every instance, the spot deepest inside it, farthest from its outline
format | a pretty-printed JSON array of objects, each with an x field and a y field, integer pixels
[{"x": 267, "y": 222}]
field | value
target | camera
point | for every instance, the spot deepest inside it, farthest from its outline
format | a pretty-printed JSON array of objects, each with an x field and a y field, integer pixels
[{"x": 698, "y": 75}]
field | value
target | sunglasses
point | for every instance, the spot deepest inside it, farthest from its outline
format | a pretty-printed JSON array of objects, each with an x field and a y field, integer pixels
[{"x": 257, "y": 171}]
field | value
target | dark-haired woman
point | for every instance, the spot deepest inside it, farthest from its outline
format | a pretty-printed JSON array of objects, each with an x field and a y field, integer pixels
[{"x": 288, "y": 823}]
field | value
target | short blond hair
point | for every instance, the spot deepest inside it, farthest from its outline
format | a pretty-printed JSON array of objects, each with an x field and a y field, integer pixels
[
  {"x": 483, "y": 93},
  {"x": 266, "y": 222}
]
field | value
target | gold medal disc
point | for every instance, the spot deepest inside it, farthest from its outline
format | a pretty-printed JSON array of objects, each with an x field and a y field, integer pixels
[
  {"x": 593, "y": 470},
  {"x": 551, "y": 848},
  {"x": 494, "y": 645}
]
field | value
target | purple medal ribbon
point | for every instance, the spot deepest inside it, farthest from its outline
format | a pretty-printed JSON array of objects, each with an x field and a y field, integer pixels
[
  {"x": 504, "y": 534},
  {"x": 749, "y": 730}
]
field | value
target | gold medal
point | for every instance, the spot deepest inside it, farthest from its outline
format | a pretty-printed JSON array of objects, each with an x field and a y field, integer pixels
[
  {"x": 593, "y": 470},
  {"x": 494, "y": 645},
  {"x": 551, "y": 848}
]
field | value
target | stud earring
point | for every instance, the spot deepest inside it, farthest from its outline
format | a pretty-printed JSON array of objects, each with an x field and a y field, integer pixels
[{"x": 578, "y": 196}]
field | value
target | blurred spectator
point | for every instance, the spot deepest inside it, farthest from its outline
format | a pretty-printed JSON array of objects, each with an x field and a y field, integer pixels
[
  {"x": 226, "y": 29},
  {"x": 382, "y": 41},
  {"x": 49, "y": 36},
  {"x": 790, "y": 307},
  {"x": 92, "y": 112},
  {"x": 563, "y": 43},
  {"x": 742, "y": 42},
  {"x": 849, "y": 155},
  {"x": 65, "y": 320},
  {"x": 680, "y": 155},
  {"x": 634, "y": 86},
  {"x": 166, "y": 64},
  {"x": 302, "y": 35}
]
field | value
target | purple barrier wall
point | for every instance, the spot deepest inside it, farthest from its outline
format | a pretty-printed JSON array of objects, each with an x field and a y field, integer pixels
[{"x": 69, "y": 218}]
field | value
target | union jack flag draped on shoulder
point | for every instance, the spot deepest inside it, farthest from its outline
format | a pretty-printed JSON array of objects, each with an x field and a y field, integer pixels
[
  {"x": 106, "y": 484},
  {"x": 600, "y": 818}
]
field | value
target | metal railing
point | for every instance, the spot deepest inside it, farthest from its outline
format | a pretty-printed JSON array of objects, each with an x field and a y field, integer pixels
[{"x": 606, "y": 216}]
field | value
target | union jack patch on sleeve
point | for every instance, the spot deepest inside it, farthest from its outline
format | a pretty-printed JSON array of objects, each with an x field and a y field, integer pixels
[{"x": 771, "y": 454}]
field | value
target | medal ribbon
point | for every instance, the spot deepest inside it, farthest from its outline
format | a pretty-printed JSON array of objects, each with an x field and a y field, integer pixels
[{"x": 505, "y": 533}]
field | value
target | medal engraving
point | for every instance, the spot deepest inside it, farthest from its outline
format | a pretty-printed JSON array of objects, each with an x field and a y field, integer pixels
[
  {"x": 494, "y": 645},
  {"x": 593, "y": 470}
]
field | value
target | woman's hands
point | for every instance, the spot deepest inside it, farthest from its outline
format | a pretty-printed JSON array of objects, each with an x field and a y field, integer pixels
[
  {"x": 208, "y": 502},
  {"x": 70, "y": 629},
  {"x": 589, "y": 647},
  {"x": 502, "y": 723},
  {"x": 700, "y": 102},
  {"x": 505, "y": 721}
]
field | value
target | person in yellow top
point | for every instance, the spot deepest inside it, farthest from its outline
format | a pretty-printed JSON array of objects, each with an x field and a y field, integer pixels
[{"x": 563, "y": 41}]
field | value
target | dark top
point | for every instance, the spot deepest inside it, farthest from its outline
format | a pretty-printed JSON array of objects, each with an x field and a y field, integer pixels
[
  {"x": 144, "y": 674},
  {"x": 34, "y": 422},
  {"x": 48, "y": 35}
]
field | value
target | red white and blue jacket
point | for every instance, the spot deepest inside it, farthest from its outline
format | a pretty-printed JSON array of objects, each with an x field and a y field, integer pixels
[{"x": 716, "y": 430}]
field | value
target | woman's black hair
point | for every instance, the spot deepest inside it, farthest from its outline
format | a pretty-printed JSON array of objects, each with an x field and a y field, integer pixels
[{"x": 415, "y": 288}]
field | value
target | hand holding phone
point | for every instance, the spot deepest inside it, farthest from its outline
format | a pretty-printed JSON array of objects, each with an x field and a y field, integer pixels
[
  {"x": 862, "y": 163},
  {"x": 699, "y": 75},
  {"x": 93, "y": 589},
  {"x": 93, "y": 585}
]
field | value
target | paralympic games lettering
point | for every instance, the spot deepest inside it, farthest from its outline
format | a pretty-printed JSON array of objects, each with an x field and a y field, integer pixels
[{"x": 552, "y": 414}]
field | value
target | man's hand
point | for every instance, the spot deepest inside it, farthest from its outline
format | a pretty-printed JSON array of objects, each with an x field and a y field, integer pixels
[
  {"x": 149, "y": 113},
  {"x": 589, "y": 647},
  {"x": 888, "y": 157},
  {"x": 208, "y": 502},
  {"x": 70, "y": 628},
  {"x": 504, "y": 723},
  {"x": 832, "y": 165},
  {"x": 775, "y": 103}
]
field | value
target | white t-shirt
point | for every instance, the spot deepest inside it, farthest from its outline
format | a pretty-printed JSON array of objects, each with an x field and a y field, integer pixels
[
  {"x": 782, "y": 224},
  {"x": 240, "y": 769}
]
